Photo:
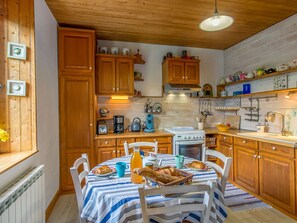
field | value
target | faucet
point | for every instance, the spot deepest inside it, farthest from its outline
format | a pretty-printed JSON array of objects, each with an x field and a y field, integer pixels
[{"x": 271, "y": 114}]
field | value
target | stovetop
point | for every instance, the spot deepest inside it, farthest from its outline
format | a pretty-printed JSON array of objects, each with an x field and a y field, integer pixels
[{"x": 185, "y": 130}]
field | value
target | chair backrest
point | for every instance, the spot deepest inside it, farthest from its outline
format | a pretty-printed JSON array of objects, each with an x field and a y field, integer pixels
[
  {"x": 77, "y": 180},
  {"x": 205, "y": 207},
  {"x": 224, "y": 172},
  {"x": 153, "y": 145}
]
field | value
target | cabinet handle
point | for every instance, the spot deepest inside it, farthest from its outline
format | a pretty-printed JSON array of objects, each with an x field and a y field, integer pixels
[
  {"x": 90, "y": 68},
  {"x": 243, "y": 141},
  {"x": 106, "y": 142},
  {"x": 273, "y": 148},
  {"x": 91, "y": 124},
  {"x": 255, "y": 156},
  {"x": 114, "y": 151},
  {"x": 183, "y": 77},
  {"x": 259, "y": 157},
  {"x": 224, "y": 138},
  {"x": 117, "y": 88},
  {"x": 186, "y": 77},
  {"x": 230, "y": 148},
  {"x": 119, "y": 152}
]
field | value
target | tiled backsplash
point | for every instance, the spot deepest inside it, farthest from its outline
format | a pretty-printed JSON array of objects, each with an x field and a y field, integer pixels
[
  {"x": 180, "y": 110},
  {"x": 177, "y": 110}
]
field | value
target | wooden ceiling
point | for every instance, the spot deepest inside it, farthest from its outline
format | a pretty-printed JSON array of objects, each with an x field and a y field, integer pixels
[{"x": 171, "y": 22}]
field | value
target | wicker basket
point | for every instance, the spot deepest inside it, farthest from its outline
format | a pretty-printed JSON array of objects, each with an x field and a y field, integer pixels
[
  {"x": 223, "y": 128},
  {"x": 185, "y": 180}
]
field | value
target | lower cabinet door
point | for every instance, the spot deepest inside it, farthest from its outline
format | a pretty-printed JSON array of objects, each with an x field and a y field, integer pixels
[
  {"x": 246, "y": 168},
  {"x": 227, "y": 150},
  {"x": 277, "y": 181},
  {"x": 165, "y": 148},
  {"x": 105, "y": 153}
]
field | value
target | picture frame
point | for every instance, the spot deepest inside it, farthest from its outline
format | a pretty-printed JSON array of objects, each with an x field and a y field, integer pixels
[
  {"x": 16, "y": 88},
  {"x": 16, "y": 51},
  {"x": 280, "y": 82}
]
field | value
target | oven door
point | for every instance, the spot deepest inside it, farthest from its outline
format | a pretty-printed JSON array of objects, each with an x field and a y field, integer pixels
[{"x": 192, "y": 149}]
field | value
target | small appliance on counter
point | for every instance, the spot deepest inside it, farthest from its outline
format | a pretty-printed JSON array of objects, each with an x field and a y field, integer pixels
[
  {"x": 136, "y": 125},
  {"x": 103, "y": 112},
  {"x": 149, "y": 127},
  {"x": 102, "y": 127},
  {"x": 118, "y": 124}
]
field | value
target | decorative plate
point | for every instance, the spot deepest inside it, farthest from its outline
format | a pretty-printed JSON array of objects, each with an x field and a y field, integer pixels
[{"x": 105, "y": 174}]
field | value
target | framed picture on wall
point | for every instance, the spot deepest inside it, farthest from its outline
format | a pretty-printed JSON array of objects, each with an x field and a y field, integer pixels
[{"x": 281, "y": 82}]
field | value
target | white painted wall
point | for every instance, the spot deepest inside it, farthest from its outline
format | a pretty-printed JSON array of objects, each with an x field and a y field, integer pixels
[
  {"x": 211, "y": 63},
  {"x": 272, "y": 47},
  {"x": 47, "y": 104}
]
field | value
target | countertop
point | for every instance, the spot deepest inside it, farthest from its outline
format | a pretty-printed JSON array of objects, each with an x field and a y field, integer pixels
[
  {"x": 127, "y": 134},
  {"x": 234, "y": 132}
]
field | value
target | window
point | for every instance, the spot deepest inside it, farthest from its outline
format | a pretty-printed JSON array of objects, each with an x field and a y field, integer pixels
[{"x": 17, "y": 113}]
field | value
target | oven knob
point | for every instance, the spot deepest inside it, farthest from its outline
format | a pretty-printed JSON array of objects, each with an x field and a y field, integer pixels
[{"x": 185, "y": 137}]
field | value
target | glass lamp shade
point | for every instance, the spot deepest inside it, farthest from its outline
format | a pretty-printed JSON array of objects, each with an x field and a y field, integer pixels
[{"x": 216, "y": 22}]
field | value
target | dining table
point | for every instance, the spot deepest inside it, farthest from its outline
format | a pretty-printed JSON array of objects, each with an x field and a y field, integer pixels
[{"x": 115, "y": 199}]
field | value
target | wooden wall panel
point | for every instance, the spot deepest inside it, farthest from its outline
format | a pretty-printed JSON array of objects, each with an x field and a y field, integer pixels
[{"x": 21, "y": 118}]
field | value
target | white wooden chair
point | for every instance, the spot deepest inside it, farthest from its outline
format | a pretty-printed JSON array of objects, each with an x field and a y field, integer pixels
[
  {"x": 153, "y": 145},
  {"x": 78, "y": 178},
  {"x": 205, "y": 207},
  {"x": 224, "y": 172}
]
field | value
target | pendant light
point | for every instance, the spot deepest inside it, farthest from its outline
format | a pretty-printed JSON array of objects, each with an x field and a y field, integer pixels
[{"x": 216, "y": 22}]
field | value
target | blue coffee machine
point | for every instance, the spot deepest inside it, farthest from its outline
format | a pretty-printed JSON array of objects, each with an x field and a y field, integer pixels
[{"x": 149, "y": 127}]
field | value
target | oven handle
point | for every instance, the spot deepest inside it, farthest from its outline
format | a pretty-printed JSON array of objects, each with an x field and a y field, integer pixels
[{"x": 189, "y": 142}]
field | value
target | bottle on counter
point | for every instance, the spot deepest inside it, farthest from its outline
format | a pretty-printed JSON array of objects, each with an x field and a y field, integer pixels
[{"x": 136, "y": 162}]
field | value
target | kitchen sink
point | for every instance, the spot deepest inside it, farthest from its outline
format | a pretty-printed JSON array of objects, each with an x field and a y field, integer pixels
[{"x": 271, "y": 136}]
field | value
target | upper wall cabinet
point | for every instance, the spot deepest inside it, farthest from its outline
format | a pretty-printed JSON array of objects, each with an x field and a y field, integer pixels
[
  {"x": 179, "y": 71},
  {"x": 114, "y": 75},
  {"x": 77, "y": 48}
]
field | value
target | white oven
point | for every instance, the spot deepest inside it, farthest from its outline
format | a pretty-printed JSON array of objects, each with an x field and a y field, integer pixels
[{"x": 188, "y": 141}]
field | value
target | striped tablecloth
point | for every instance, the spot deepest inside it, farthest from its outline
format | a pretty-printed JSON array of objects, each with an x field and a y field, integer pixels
[{"x": 116, "y": 199}]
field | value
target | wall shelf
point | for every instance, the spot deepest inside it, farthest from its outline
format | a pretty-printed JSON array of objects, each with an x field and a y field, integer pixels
[
  {"x": 260, "y": 77},
  {"x": 138, "y": 79},
  {"x": 260, "y": 93}
]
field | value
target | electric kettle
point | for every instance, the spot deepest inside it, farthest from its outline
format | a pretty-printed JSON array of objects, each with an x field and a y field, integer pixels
[{"x": 136, "y": 125}]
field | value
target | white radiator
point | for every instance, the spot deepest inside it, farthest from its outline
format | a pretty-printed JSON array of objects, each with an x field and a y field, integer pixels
[{"x": 23, "y": 201}]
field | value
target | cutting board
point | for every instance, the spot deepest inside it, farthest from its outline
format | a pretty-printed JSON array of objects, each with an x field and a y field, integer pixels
[{"x": 233, "y": 120}]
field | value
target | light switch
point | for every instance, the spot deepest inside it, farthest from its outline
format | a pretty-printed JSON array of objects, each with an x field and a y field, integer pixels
[{"x": 16, "y": 88}]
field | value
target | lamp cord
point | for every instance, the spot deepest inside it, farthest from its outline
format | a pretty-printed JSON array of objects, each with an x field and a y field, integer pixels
[{"x": 216, "y": 9}]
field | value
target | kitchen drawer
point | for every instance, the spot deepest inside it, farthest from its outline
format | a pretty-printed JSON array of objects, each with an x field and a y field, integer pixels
[
  {"x": 105, "y": 142},
  {"x": 160, "y": 140},
  {"x": 276, "y": 149},
  {"x": 246, "y": 143},
  {"x": 120, "y": 142},
  {"x": 226, "y": 139}
]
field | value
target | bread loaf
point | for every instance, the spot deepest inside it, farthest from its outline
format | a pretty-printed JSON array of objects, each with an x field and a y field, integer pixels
[
  {"x": 198, "y": 165},
  {"x": 163, "y": 175},
  {"x": 102, "y": 170}
]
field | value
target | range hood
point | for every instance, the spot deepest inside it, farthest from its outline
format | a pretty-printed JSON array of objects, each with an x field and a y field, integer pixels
[{"x": 181, "y": 88}]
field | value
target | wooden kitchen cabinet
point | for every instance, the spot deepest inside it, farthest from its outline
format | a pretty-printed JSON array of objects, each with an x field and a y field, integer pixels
[
  {"x": 246, "y": 166},
  {"x": 76, "y": 122},
  {"x": 277, "y": 176},
  {"x": 114, "y": 75},
  {"x": 76, "y": 51},
  {"x": 106, "y": 153},
  {"x": 181, "y": 71},
  {"x": 76, "y": 99},
  {"x": 114, "y": 147},
  {"x": 225, "y": 146}
]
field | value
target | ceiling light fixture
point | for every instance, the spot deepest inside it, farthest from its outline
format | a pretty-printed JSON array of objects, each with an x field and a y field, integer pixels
[{"x": 216, "y": 22}]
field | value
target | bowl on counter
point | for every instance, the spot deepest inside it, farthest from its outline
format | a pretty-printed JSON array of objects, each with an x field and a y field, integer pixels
[{"x": 223, "y": 127}]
